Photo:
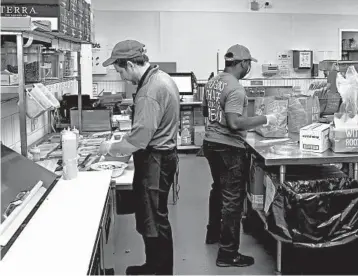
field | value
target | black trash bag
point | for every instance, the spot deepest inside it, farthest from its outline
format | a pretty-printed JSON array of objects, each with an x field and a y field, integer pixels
[{"x": 320, "y": 219}]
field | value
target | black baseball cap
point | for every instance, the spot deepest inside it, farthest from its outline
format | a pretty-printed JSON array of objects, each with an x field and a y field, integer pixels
[{"x": 125, "y": 49}]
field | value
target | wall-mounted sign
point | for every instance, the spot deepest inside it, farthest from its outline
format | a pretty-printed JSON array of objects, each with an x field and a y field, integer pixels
[{"x": 302, "y": 59}]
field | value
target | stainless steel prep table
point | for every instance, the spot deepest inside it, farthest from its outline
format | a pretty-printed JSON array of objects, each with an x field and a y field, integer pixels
[{"x": 259, "y": 145}]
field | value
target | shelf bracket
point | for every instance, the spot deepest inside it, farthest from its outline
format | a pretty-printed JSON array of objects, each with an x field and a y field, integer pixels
[{"x": 29, "y": 41}]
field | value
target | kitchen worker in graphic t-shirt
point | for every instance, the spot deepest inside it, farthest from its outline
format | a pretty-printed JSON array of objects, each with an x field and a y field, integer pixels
[
  {"x": 152, "y": 140},
  {"x": 225, "y": 105}
]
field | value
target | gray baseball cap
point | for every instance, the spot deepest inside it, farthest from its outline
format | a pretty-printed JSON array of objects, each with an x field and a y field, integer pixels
[
  {"x": 239, "y": 52},
  {"x": 125, "y": 49}
]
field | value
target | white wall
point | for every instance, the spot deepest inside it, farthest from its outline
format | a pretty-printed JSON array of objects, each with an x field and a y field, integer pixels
[
  {"x": 192, "y": 39},
  {"x": 10, "y": 127},
  {"x": 341, "y": 7}
]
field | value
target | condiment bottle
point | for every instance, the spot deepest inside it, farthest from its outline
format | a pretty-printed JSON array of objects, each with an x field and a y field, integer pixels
[
  {"x": 62, "y": 133},
  {"x": 77, "y": 133},
  {"x": 69, "y": 155},
  {"x": 36, "y": 153}
]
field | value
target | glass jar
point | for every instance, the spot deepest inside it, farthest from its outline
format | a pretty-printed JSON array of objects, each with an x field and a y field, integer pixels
[
  {"x": 50, "y": 64},
  {"x": 32, "y": 58},
  {"x": 9, "y": 56}
]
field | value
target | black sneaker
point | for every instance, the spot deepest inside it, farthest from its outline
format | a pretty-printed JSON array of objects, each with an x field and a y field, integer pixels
[
  {"x": 238, "y": 260},
  {"x": 140, "y": 270}
]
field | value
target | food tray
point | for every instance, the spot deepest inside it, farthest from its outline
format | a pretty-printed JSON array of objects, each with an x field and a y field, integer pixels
[
  {"x": 116, "y": 167},
  {"x": 93, "y": 141},
  {"x": 84, "y": 151}
]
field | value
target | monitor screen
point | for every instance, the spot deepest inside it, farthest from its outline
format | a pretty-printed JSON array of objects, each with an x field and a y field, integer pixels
[{"x": 183, "y": 82}]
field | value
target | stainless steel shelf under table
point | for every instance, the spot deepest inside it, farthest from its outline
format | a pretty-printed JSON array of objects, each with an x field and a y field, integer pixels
[{"x": 265, "y": 149}]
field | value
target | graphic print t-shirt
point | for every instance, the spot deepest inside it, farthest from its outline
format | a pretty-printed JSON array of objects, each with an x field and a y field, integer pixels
[{"x": 224, "y": 94}]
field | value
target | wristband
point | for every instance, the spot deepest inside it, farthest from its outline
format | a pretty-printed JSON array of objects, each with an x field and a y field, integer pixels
[{"x": 267, "y": 123}]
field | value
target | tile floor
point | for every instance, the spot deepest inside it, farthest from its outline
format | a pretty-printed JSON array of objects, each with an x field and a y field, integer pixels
[{"x": 188, "y": 219}]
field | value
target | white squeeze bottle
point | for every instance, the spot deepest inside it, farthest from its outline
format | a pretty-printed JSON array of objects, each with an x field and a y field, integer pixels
[
  {"x": 62, "y": 133},
  {"x": 69, "y": 155},
  {"x": 77, "y": 133}
]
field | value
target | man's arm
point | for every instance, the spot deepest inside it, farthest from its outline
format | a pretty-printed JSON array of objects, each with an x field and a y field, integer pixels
[
  {"x": 238, "y": 122},
  {"x": 147, "y": 117},
  {"x": 234, "y": 108}
]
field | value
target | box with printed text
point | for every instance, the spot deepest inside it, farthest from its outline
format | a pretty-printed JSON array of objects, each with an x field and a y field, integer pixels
[{"x": 315, "y": 138}]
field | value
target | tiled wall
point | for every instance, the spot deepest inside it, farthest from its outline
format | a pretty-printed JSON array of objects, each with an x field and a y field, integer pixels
[{"x": 10, "y": 126}]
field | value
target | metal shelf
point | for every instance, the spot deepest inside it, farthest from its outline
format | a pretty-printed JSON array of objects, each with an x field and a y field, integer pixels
[
  {"x": 24, "y": 29},
  {"x": 8, "y": 97},
  {"x": 24, "y": 25}
]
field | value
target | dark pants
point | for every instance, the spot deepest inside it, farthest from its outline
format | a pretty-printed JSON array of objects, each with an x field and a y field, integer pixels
[
  {"x": 153, "y": 178},
  {"x": 229, "y": 169}
]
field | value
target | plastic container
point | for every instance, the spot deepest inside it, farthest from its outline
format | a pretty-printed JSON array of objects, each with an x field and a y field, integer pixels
[
  {"x": 40, "y": 97},
  {"x": 33, "y": 108},
  {"x": 36, "y": 153},
  {"x": 70, "y": 169},
  {"x": 43, "y": 89},
  {"x": 69, "y": 147},
  {"x": 77, "y": 133}
]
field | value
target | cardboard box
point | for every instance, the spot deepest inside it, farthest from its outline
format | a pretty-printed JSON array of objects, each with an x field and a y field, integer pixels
[
  {"x": 256, "y": 187},
  {"x": 73, "y": 6},
  {"x": 199, "y": 134},
  {"x": 187, "y": 136},
  {"x": 344, "y": 140},
  {"x": 64, "y": 29},
  {"x": 53, "y": 11},
  {"x": 315, "y": 137},
  {"x": 9, "y": 79}
]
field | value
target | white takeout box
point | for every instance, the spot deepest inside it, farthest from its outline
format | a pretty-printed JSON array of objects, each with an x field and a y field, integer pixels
[{"x": 315, "y": 137}]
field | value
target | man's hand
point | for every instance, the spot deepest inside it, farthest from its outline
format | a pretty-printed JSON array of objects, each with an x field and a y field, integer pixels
[
  {"x": 104, "y": 148},
  {"x": 271, "y": 119}
]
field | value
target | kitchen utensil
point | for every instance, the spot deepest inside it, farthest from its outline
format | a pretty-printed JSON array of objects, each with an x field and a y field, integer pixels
[{"x": 84, "y": 162}]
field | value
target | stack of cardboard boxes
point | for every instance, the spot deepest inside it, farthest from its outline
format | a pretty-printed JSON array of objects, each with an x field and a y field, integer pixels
[
  {"x": 70, "y": 17},
  {"x": 199, "y": 126},
  {"x": 187, "y": 122},
  {"x": 192, "y": 126},
  {"x": 77, "y": 21}
]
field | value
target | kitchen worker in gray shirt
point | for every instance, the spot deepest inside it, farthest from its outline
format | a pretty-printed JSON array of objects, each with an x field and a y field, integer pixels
[
  {"x": 152, "y": 141},
  {"x": 225, "y": 105}
]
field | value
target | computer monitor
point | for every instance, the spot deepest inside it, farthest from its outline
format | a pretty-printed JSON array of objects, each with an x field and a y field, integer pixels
[{"x": 184, "y": 81}]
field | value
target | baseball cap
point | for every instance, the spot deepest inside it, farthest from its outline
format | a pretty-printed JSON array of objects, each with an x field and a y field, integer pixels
[
  {"x": 125, "y": 49},
  {"x": 239, "y": 52}
]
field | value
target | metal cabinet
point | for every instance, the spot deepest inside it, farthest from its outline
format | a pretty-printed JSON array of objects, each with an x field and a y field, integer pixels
[{"x": 102, "y": 261}]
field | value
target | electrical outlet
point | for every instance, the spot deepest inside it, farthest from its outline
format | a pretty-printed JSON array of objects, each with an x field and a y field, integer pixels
[{"x": 268, "y": 4}]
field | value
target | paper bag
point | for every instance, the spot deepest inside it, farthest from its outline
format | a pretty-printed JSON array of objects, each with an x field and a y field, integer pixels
[
  {"x": 302, "y": 111},
  {"x": 272, "y": 105}
]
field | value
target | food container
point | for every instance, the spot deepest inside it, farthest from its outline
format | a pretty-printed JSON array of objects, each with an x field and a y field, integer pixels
[
  {"x": 33, "y": 108},
  {"x": 77, "y": 133},
  {"x": 36, "y": 153},
  {"x": 120, "y": 157},
  {"x": 314, "y": 137},
  {"x": 41, "y": 89},
  {"x": 69, "y": 147},
  {"x": 70, "y": 169},
  {"x": 117, "y": 168},
  {"x": 40, "y": 97},
  {"x": 344, "y": 140}
]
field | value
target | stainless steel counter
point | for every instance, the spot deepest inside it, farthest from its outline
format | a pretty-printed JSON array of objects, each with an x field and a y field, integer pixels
[
  {"x": 278, "y": 152},
  {"x": 270, "y": 152}
]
